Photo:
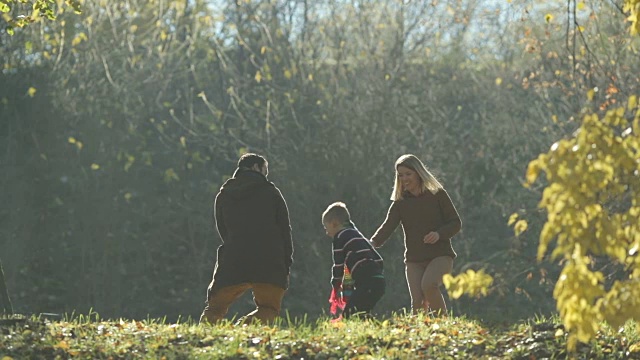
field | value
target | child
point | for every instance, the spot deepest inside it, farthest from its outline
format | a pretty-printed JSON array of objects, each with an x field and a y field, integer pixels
[{"x": 353, "y": 252}]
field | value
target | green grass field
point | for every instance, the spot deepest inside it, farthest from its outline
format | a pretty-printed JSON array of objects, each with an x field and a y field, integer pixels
[{"x": 397, "y": 337}]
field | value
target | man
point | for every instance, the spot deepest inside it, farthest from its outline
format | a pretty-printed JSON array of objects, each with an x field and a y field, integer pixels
[{"x": 253, "y": 222}]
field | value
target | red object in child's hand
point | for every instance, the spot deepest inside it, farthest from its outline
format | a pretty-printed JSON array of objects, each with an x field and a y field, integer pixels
[{"x": 336, "y": 302}]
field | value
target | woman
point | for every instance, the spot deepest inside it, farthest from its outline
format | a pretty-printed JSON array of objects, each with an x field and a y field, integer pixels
[{"x": 429, "y": 220}]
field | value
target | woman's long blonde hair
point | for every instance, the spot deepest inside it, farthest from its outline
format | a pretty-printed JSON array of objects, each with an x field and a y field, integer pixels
[{"x": 429, "y": 182}]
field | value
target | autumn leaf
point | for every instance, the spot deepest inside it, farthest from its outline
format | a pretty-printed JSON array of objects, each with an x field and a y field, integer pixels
[
  {"x": 532, "y": 171},
  {"x": 632, "y": 103},
  {"x": 520, "y": 227},
  {"x": 170, "y": 175}
]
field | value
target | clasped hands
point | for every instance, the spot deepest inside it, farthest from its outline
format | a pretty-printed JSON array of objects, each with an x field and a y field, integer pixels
[{"x": 431, "y": 238}]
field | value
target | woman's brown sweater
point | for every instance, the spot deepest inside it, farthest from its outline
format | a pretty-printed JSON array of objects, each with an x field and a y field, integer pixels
[{"x": 419, "y": 216}]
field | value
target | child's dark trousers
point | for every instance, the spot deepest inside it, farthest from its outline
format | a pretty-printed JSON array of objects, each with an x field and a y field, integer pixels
[{"x": 366, "y": 293}]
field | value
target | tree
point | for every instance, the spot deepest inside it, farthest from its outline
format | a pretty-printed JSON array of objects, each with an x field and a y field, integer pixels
[
  {"x": 592, "y": 201},
  {"x": 591, "y": 198},
  {"x": 5, "y": 301}
]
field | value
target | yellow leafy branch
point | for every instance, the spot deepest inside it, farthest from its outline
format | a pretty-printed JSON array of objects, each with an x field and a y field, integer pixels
[{"x": 592, "y": 202}]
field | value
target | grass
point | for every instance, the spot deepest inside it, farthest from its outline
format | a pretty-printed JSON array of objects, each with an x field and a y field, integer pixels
[{"x": 397, "y": 337}]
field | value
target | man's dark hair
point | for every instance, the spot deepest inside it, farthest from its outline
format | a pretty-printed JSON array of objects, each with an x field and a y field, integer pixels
[{"x": 249, "y": 159}]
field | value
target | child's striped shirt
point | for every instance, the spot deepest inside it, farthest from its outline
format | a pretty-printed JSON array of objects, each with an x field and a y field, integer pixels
[{"x": 353, "y": 250}]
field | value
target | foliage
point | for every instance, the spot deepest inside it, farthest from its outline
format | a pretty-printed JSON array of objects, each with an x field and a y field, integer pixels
[
  {"x": 30, "y": 11},
  {"x": 396, "y": 337},
  {"x": 122, "y": 122},
  {"x": 470, "y": 283},
  {"x": 591, "y": 201},
  {"x": 633, "y": 8}
]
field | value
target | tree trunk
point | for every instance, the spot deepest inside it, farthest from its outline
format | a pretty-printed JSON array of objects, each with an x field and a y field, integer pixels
[{"x": 5, "y": 303}]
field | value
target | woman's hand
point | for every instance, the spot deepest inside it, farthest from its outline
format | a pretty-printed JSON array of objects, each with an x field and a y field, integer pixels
[{"x": 431, "y": 238}]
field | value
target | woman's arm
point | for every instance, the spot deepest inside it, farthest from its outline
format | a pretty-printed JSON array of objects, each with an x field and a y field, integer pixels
[
  {"x": 451, "y": 220},
  {"x": 388, "y": 226}
]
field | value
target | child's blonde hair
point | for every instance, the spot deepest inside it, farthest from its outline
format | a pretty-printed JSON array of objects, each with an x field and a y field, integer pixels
[
  {"x": 336, "y": 211},
  {"x": 429, "y": 182}
]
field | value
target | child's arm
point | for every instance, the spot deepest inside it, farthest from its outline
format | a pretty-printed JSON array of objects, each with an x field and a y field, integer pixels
[
  {"x": 337, "y": 272},
  {"x": 337, "y": 276}
]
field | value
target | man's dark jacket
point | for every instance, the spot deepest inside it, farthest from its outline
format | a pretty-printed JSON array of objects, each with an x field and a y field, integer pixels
[{"x": 253, "y": 222}]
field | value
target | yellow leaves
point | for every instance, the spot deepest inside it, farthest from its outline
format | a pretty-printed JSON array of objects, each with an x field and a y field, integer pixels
[
  {"x": 31, "y": 91},
  {"x": 520, "y": 227},
  {"x": 632, "y": 103},
  {"x": 532, "y": 171},
  {"x": 95, "y": 167},
  {"x": 62, "y": 345},
  {"x": 471, "y": 283},
  {"x": 80, "y": 37},
  {"x": 287, "y": 73},
  {"x": 170, "y": 175},
  {"x": 633, "y": 8},
  {"x": 258, "y": 77},
  {"x": 548, "y": 18},
  {"x": 635, "y": 348},
  {"x": 498, "y": 81},
  {"x": 183, "y": 141},
  {"x": 130, "y": 160},
  {"x": 597, "y": 163},
  {"x": 337, "y": 324},
  {"x": 78, "y": 144},
  {"x": 580, "y": 5}
]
